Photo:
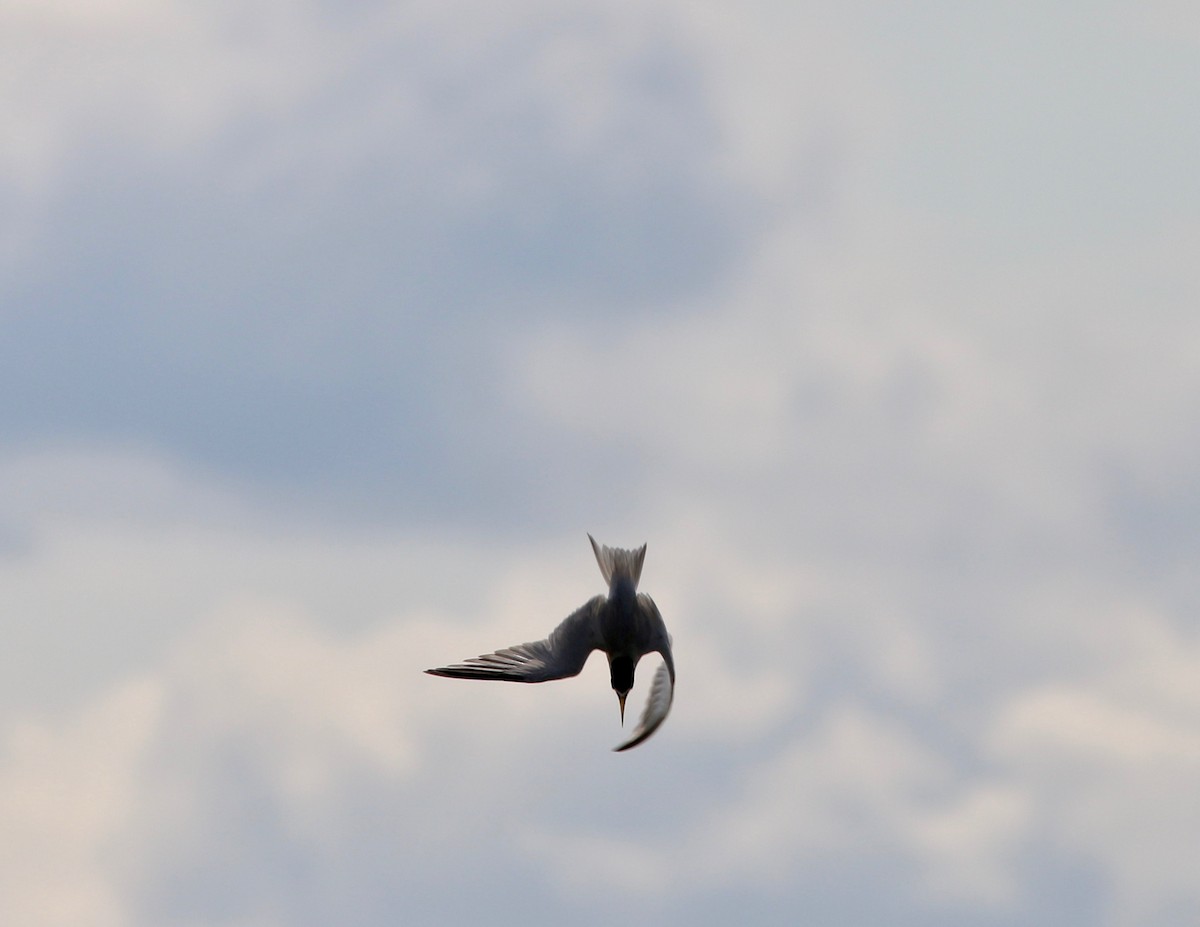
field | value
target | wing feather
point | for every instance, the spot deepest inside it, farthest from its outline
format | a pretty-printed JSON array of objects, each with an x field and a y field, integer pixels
[
  {"x": 658, "y": 704},
  {"x": 560, "y": 655}
]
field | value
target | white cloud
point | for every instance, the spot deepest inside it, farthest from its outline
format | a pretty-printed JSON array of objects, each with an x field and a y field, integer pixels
[
  {"x": 166, "y": 73},
  {"x": 857, "y": 787},
  {"x": 257, "y": 738},
  {"x": 1108, "y": 763},
  {"x": 923, "y": 458},
  {"x": 917, "y": 498},
  {"x": 817, "y": 724},
  {"x": 467, "y": 87},
  {"x": 64, "y": 790}
]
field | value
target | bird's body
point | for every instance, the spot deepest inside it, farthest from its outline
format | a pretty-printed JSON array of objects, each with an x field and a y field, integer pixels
[{"x": 625, "y": 624}]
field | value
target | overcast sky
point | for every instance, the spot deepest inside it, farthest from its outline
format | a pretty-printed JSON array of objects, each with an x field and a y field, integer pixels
[{"x": 328, "y": 331}]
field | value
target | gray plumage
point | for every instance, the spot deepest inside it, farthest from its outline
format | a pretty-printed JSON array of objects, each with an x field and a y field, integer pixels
[{"x": 625, "y": 624}]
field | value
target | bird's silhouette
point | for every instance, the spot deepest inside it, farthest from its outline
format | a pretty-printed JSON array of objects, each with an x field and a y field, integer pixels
[{"x": 625, "y": 624}]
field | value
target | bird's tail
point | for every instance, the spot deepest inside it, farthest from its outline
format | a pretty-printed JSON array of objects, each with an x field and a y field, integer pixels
[{"x": 618, "y": 564}]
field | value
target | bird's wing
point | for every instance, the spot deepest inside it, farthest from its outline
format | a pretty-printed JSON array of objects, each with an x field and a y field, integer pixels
[
  {"x": 662, "y": 693},
  {"x": 560, "y": 655}
]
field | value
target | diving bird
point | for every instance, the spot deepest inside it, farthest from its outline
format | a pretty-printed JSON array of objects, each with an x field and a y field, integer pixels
[{"x": 625, "y": 624}]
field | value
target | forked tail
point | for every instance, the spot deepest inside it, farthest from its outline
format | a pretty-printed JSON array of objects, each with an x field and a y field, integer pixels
[{"x": 617, "y": 564}]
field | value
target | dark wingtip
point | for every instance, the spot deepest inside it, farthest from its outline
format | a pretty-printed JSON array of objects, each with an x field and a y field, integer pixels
[
  {"x": 629, "y": 745},
  {"x": 475, "y": 672}
]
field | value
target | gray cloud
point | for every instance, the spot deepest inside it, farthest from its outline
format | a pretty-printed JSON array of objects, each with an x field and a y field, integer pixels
[
  {"x": 312, "y": 287},
  {"x": 916, "y": 491}
]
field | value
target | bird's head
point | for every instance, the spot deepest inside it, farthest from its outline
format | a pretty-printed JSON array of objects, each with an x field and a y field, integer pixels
[{"x": 620, "y": 668}]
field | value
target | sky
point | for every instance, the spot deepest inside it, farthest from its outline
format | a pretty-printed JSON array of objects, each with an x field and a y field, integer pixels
[{"x": 329, "y": 330}]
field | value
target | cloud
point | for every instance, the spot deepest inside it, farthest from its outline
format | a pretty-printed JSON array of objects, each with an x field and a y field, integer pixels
[
  {"x": 856, "y": 793},
  {"x": 1106, "y": 762},
  {"x": 329, "y": 331},
  {"x": 264, "y": 769},
  {"x": 62, "y": 793},
  {"x": 275, "y": 759},
  {"x": 286, "y": 244}
]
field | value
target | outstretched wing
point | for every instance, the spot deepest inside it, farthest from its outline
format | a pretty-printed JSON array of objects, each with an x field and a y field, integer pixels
[
  {"x": 658, "y": 704},
  {"x": 560, "y": 655}
]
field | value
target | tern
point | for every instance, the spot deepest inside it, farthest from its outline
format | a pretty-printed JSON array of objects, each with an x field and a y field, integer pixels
[{"x": 625, "y": 624}]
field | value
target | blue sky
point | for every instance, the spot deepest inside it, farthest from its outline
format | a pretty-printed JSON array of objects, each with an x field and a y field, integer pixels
[{"x": 328, "y": 331}]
